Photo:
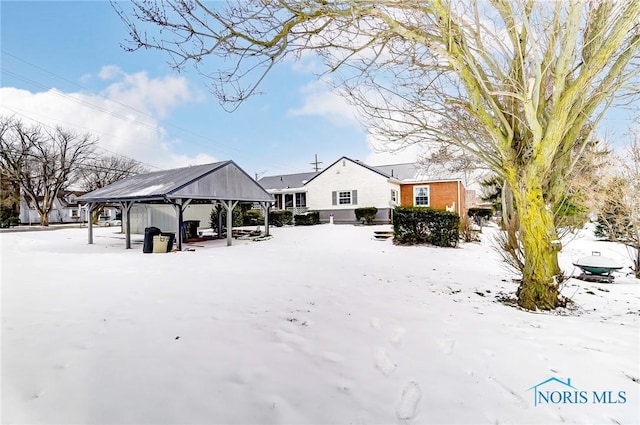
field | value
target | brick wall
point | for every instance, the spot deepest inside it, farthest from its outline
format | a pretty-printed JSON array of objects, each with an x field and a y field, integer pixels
[{"x": 441, "y": 194}]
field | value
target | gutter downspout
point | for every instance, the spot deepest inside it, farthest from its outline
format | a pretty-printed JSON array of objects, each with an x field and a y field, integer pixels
[{"x": 459, "y": 205}]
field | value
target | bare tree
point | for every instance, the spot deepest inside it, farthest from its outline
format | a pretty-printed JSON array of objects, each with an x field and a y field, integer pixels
[
  {"x": 41, "y": 160},
  {"x": 103, "y": 170},
  {"x": 619, "y": 208},
  {"x": 631, "y": 171},
  {"x": 522, "y": 80},
  {"x": 456, "y": 161}
]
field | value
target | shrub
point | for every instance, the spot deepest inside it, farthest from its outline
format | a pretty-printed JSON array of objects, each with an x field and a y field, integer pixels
[
  {"x": 252, "y": 218},
  {"x": 308, "y": 219},
  {"x": 479, "y": 215},
  {"x": 280, "y": 217},
  {"x": 9, "y": 216},
  {"x": 236, "y": 218},
  {"x": 467, "y": 232},
  {"x": 368, "y": 214},
  {"x": 414, "y": 225}
]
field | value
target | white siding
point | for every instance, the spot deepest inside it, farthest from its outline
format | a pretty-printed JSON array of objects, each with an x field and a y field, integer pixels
[
  {"x": 58, "y": 214},
  {"x": 374, "y": 190},
  {"x": 164, "y": 217}
]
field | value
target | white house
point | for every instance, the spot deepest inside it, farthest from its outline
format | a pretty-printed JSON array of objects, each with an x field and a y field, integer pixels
[
  {"x": 348, "y": 184},
  {"x": 289, "y": 190},
  {"x": 66, "y": 209}
]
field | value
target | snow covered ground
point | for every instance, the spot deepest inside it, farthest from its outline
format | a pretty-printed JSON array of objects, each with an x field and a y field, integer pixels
[{"x": 318, "y": 325}]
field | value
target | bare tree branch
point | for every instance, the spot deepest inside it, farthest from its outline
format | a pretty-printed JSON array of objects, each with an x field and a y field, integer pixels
[{"x": 41, "y": 161}]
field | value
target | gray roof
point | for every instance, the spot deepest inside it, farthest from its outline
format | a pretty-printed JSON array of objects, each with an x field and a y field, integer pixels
[
  {"x": 360, "y": 163},
  {"x": 220, "y": 181},
  {"x": 286, "y": 181},
  {"x": 406, "y": 172},
  {"x": 416, "y": 172}
]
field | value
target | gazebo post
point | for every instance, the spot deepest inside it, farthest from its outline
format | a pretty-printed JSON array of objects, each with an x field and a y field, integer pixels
[
  {"x": 126, "y": 207},
  {"x": 178, "y": 208},
  {"x": 91, "y": 207},
  {"x": 229, "y": 206},
  {"x": 180, "y": 205},
  {"x": 267, "y": 208}
]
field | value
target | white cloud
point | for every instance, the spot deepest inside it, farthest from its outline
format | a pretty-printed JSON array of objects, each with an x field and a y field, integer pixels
[
  {"x": 109, "y": 72},
  {"x": 385, "y": 153},
  {"x": 157, "y": 95},
  {"x": 320, "y": 101},
  {"x": 125, "y": 116}
]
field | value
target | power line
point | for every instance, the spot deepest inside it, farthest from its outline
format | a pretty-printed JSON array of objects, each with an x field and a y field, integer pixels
[
  {"x": 101, "y": 109},
  {"x": 93, "y": 131}
]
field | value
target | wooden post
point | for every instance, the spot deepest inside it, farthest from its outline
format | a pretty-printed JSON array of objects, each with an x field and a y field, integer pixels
[
  {"x": 126, "y": 210},
  {"x": 267, "y": 207},
  {"x": 180, "y": 205},
  {"x": 178, "y": 208},
  {"x": 229, "y": 206},
  {"x": 90, "y": 208}
]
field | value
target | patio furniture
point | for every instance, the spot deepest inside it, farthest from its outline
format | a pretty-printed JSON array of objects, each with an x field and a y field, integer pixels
[{"x": 596, "y": 268}]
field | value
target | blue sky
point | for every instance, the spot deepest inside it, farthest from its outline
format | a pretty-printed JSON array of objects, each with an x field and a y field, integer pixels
[
  {"x": 62, "y": 64},
  {"x": 74, "y": 48}
]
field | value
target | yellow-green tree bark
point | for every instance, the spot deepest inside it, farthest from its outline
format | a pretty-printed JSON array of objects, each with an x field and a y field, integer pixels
[{"x": 538, "y": 241}]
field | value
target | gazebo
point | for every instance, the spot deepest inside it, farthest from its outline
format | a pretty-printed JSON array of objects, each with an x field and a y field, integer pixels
[{"x": 224, "y": 182}]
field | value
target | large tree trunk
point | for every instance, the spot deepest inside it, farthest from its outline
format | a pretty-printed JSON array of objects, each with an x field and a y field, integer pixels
[
  {"x": 95, "y": 217},
  {"x": 539, "y": 287},
  {"x": 509, "y": 219},
  {"x": 42, "y": 210},
  {"x": 44, "y": 217}
]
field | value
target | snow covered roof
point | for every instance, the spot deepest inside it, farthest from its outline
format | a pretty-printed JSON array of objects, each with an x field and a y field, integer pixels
[
  {"x": 286, "y": 181},
  {"x": 416, "y": 172},
  {"x": 360, "y": 163},
  {"x": 220, "y": 180},
  {"x": 410, "y": 172}
]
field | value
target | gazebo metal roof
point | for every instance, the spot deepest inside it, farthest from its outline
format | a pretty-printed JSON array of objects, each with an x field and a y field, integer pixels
[
  {"x": 217, "y": 181},
  {"x": 221, "y": 181}
]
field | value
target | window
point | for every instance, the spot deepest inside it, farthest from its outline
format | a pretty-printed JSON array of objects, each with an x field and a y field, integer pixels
[
  {"x": 288, "y": 200},
  {"x": 421, "y": 196},
  {"x": 74, "y": 213},
  {"x": 344, "y": 197},
  {"x": 278, "y": 198},
  {"x": 394, "y": 196},
  {"x": 301, "y": 199}
]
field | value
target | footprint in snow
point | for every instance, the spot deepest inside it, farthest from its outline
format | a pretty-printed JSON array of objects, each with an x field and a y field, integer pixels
[
  {"x": 396, "y": 336},
  {"x": 409, "y": 399},
  {"x": 375, "y": 323},
  {"x": 383, "y": 362},
  {"x": 447, "y": 346}
]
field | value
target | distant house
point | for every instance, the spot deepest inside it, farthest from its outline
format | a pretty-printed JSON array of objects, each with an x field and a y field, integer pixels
[
  {"x": 348, "y": 184},
  {"x": 66, "y": 209},
  {"x": 288, "y": 190}
]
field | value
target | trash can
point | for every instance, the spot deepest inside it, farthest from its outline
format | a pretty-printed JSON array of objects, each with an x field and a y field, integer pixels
[
  {"x": 172, "y": 238},
  {"x": 149, "y": 233},
  {"x": 160, "y": 244},
  {"x": 191, "y": 228}
]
